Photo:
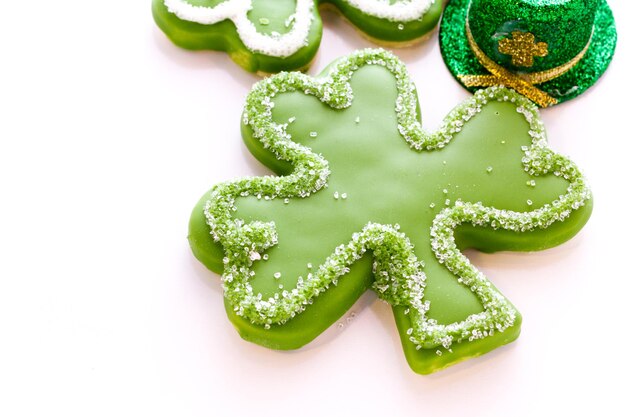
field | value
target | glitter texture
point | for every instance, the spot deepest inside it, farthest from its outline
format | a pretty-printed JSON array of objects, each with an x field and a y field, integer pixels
[
  {"x": 566, "y": 27},
  {"x": 522, "y": 48},
  {"x": 399, "y": 276}
]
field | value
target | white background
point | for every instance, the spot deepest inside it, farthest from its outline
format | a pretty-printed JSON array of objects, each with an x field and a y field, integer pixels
[{"x": 108, "y": 136}]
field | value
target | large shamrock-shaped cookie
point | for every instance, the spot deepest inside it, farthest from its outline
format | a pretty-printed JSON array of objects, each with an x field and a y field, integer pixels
[
  {"x": 273, "y": 35},
  {"x": 365, "y": 198}
]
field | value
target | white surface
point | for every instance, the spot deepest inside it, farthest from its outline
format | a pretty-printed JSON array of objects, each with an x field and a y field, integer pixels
[{"x": 108, "y": 136}]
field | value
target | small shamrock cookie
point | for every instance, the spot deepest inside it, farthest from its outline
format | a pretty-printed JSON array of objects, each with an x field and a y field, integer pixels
[
  {"x": 365, "y": 198},
  {"x": 273, "y": 35}
]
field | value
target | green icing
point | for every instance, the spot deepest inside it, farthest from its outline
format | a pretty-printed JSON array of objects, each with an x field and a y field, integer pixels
[
  {"x": 363, "y": 210},
  {"x": 271, "y": 16}
]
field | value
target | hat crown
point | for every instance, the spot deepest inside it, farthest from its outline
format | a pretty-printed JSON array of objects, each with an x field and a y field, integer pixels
[{"x": 531, "y": 35}]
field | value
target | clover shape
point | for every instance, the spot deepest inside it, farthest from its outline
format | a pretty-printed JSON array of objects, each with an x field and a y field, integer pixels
[
  {"x": 366, "y": 198},
  {"x": 268, "y": 36}
]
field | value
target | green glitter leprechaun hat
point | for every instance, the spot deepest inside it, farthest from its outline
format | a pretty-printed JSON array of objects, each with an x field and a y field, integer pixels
[{"x": 548, "y": 50}]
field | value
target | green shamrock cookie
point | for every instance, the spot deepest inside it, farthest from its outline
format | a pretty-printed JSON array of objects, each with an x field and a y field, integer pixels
[
  {"x": 364, "y": 198},
  {"x": 273, "y": 35}
]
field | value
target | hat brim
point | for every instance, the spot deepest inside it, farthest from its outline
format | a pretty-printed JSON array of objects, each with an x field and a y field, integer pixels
[{"x": 460, "y": 59}]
